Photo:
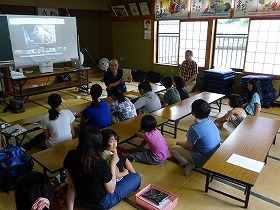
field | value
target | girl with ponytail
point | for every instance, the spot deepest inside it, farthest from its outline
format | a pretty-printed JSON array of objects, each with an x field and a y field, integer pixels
[
  {"x": 57, "y": 125},
  {"x": 98, "y": 113}
]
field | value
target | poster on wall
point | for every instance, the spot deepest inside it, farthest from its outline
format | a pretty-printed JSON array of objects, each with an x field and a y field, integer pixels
[
  {"x": 134, "y": 9},
  {"x": 147, "y": 29},
  {"x": 251, "y": 8},
  {"x": 171, "y": 9},
  {"x": 119, "y": 10},
  {"x": 210, "y": 8},
  {"x": 47, "y": 11},
  {"x": 144, "y": 8}
]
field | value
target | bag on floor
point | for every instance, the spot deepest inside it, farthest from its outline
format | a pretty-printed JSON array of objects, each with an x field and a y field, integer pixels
[
  {"x": 15, "y": 106},
  {"x": 14, "y": 163},
  {"x": 139, "y": 76},
  {"x": 63, "y": 77}
]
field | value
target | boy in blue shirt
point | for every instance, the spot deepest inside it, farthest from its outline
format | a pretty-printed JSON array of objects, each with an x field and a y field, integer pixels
[{"x": 203, "y": 139}]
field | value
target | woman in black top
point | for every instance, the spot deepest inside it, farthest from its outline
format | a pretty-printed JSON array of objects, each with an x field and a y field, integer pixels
[
  {"x": 180, "y": 86},
  {"x": 91, "y": 179}
]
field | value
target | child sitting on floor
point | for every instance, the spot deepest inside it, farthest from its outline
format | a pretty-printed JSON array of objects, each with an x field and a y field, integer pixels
[
  {"x": 254, "y": 96},
  {"x": 172, "y": 95},
  {"x": 122, "y": 108},
  {"x": 203, "y": 139},
  {"x": 57, "y": 125},
  {"x": 179, "y": 84},
  {"x": 110, "y": 143},
  {"x": 158, "y": 151},
  {"x": 236, "y": 115}
]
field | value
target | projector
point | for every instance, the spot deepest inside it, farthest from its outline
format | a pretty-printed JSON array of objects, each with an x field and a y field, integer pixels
[{"x": 46, "y": 67}]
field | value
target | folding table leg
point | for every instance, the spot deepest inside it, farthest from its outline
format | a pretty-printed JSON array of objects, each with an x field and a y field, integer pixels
[
  {"x": 248, "y": 190},
  {"x": 207, "y": 181}
]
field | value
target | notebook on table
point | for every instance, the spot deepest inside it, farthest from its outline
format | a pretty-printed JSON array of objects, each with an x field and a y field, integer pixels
[{"x": 155, "y": 196}]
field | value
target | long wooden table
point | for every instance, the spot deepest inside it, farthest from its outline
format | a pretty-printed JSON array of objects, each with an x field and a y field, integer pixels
[
  {"x": 251, "y": 139},
  {"x": 177, "y": 111},
  {"x": 52, "y": 159}
]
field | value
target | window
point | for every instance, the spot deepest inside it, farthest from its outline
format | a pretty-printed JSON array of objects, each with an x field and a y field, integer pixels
[
  {"x": 230, "y": 43},
  {"x": 263, "y": 51},
  {"x": 193, "y": 36},
  {"x": 240, "y": 43},
  {"x": 168, "y": 42}
]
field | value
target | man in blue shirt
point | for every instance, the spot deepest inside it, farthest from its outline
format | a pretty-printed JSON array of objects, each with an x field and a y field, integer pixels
[
  {"x": 114, "y": 77},
  {"x": 203, "y": 139}
]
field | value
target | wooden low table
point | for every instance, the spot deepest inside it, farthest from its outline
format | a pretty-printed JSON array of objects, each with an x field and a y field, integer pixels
[
  {"x": 30, "y": 124},
  {"x": 20, "y": 90},
  {"x": 177, "y": 111},
  {"x": 52, "y": 159},
  {"x": 251, "y": 139},
  {"x": 157, "y": 88}
]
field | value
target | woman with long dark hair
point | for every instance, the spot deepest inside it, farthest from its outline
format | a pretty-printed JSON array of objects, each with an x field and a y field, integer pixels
[
  {"x": 57, "y": 125},
  {"x": 92, "y": 181}
]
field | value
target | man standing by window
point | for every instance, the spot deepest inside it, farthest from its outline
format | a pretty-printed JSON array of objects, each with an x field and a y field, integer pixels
[{"x": 189, "y": 71}]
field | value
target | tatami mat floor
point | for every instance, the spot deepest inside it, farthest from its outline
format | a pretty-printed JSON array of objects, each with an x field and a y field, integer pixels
[{"x": 169, "y": 175}]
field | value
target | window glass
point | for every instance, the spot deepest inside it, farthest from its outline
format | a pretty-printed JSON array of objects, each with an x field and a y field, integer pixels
[
  {"x": 230, "y": 42},
  {"x": 263, "y": 47},
  {"x": 193, "y": 35}
]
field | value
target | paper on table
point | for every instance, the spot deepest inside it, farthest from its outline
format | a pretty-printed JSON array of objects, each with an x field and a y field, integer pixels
[{"x": 245, "y": 162}]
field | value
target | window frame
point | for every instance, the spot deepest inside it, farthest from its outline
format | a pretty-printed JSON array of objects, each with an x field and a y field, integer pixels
[
  {"x": 209, "y": 30},
  {"x": 210, "y": 45}
]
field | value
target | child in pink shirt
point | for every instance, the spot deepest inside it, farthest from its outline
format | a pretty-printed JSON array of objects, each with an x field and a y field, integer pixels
[{"x": 158, "y": 151}]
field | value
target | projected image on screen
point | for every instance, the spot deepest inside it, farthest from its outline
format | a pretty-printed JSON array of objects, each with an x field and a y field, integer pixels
[
  {"x": 39, "y": 34},
  {"x": 37, "y": 39}
]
